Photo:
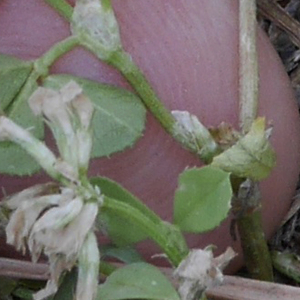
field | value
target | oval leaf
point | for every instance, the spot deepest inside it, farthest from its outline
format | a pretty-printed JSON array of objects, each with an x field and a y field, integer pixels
[
  {"x": 121, "y": 231},
  {"x": 13, "y": 159},
  {"x": 252, "y": 156},
  {"x": 119, "y": 118},
  {"x": 137, "y": 281},
  {"x": 13, "y": 74},
  {"x": 202, "y": 199}
]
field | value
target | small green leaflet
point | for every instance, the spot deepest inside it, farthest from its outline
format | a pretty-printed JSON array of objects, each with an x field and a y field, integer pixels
[
  {"x": 119, "y": 118},
  {"x": 202, "y": 199},
  {"x": 137, "y": 281},
  {"x": 13, "y": 74},
  {"x": 252, "y": 156}
]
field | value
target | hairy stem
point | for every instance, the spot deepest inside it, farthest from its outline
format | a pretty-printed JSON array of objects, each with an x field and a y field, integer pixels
[
  {"x": 249, "y": 221},
  {"x": 255, "y": 249},
  {"x": 155, "y": 231},
  {"x": 124, "y": 63}
]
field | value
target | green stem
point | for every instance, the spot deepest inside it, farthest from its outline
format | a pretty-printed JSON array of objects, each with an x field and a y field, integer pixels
[
  {"x": 256, "y": 253},
  {"x": 62, "y": 7},
  {"x": 124, "y": 63},
  {"x": 255, "y": 249},
  {"x": 157, "y": 232},
  {"x": 42, "y": 64}
]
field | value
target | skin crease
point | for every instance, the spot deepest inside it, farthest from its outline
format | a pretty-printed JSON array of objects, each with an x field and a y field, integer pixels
[{"x": 189, "y": 52}]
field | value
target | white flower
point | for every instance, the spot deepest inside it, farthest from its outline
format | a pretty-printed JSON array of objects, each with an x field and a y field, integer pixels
[{"x": 68, "y": 113}]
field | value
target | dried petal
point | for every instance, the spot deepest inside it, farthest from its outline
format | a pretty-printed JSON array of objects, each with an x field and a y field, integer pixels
[
  {"x": 88, "y": 269},
  {"x": 193, "y": 133},
  {"x": 67, "y": 240},
  {"x": 58, "y": 265},
  {"x": 12, "y": 202}
]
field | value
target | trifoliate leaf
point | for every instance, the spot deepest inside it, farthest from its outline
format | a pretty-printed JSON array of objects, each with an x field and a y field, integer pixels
[
  {"x": 137, "y": 281},
  {"x": 13, "y": 74},
  {"x": 121, "y": 231},
  {"x": 252, "y": 156},
  {"x": 202, "y": 199},
  {"x": 13, "y": 159},
  {"x": 119, "y": 118}
]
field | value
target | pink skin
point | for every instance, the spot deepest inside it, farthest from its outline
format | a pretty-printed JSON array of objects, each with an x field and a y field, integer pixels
[{"x": 188, "y": 51}]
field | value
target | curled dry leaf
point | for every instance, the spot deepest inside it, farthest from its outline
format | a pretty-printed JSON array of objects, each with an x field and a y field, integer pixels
[{"x": 252, "y": 156}]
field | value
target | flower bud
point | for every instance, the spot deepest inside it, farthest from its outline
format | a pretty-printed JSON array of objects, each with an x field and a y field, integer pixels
[{"x": 191, "y": 131}]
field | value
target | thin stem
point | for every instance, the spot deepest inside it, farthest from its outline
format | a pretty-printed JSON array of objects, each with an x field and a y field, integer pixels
[
  {"x": 154, "y": 231},
  {"x": 62, "y": 7},
  {"x": 255, "y": 249},
  {"x": 42, "y": 64},
  {"x": 124, "y": 63},
  {"x": 248, "y": 83}
]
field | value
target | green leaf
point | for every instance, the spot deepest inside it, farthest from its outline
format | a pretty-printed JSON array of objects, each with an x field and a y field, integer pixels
[
  {"x": 121, "y": 231},
  {"x": 119, "y": 118},
  {"x": 252, "y": 156},
  {"x": 137, "y": 281},
  {"x": 202, "y": 199},
  {"x": 13, "y": 74},
  {"x": 13, "y": 159},
  {"x": 127, "y": 254}
]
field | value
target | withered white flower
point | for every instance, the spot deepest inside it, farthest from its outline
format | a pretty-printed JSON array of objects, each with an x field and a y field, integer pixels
[
  {"x": 94, "y": 23},
  {"x": 52, "y": 219},
  {"x": 68, "y": 113},
  {"x": 194, "y": 133},
  {"x": 200, "y": 270},
  {"x": 57, "y": 224}
]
